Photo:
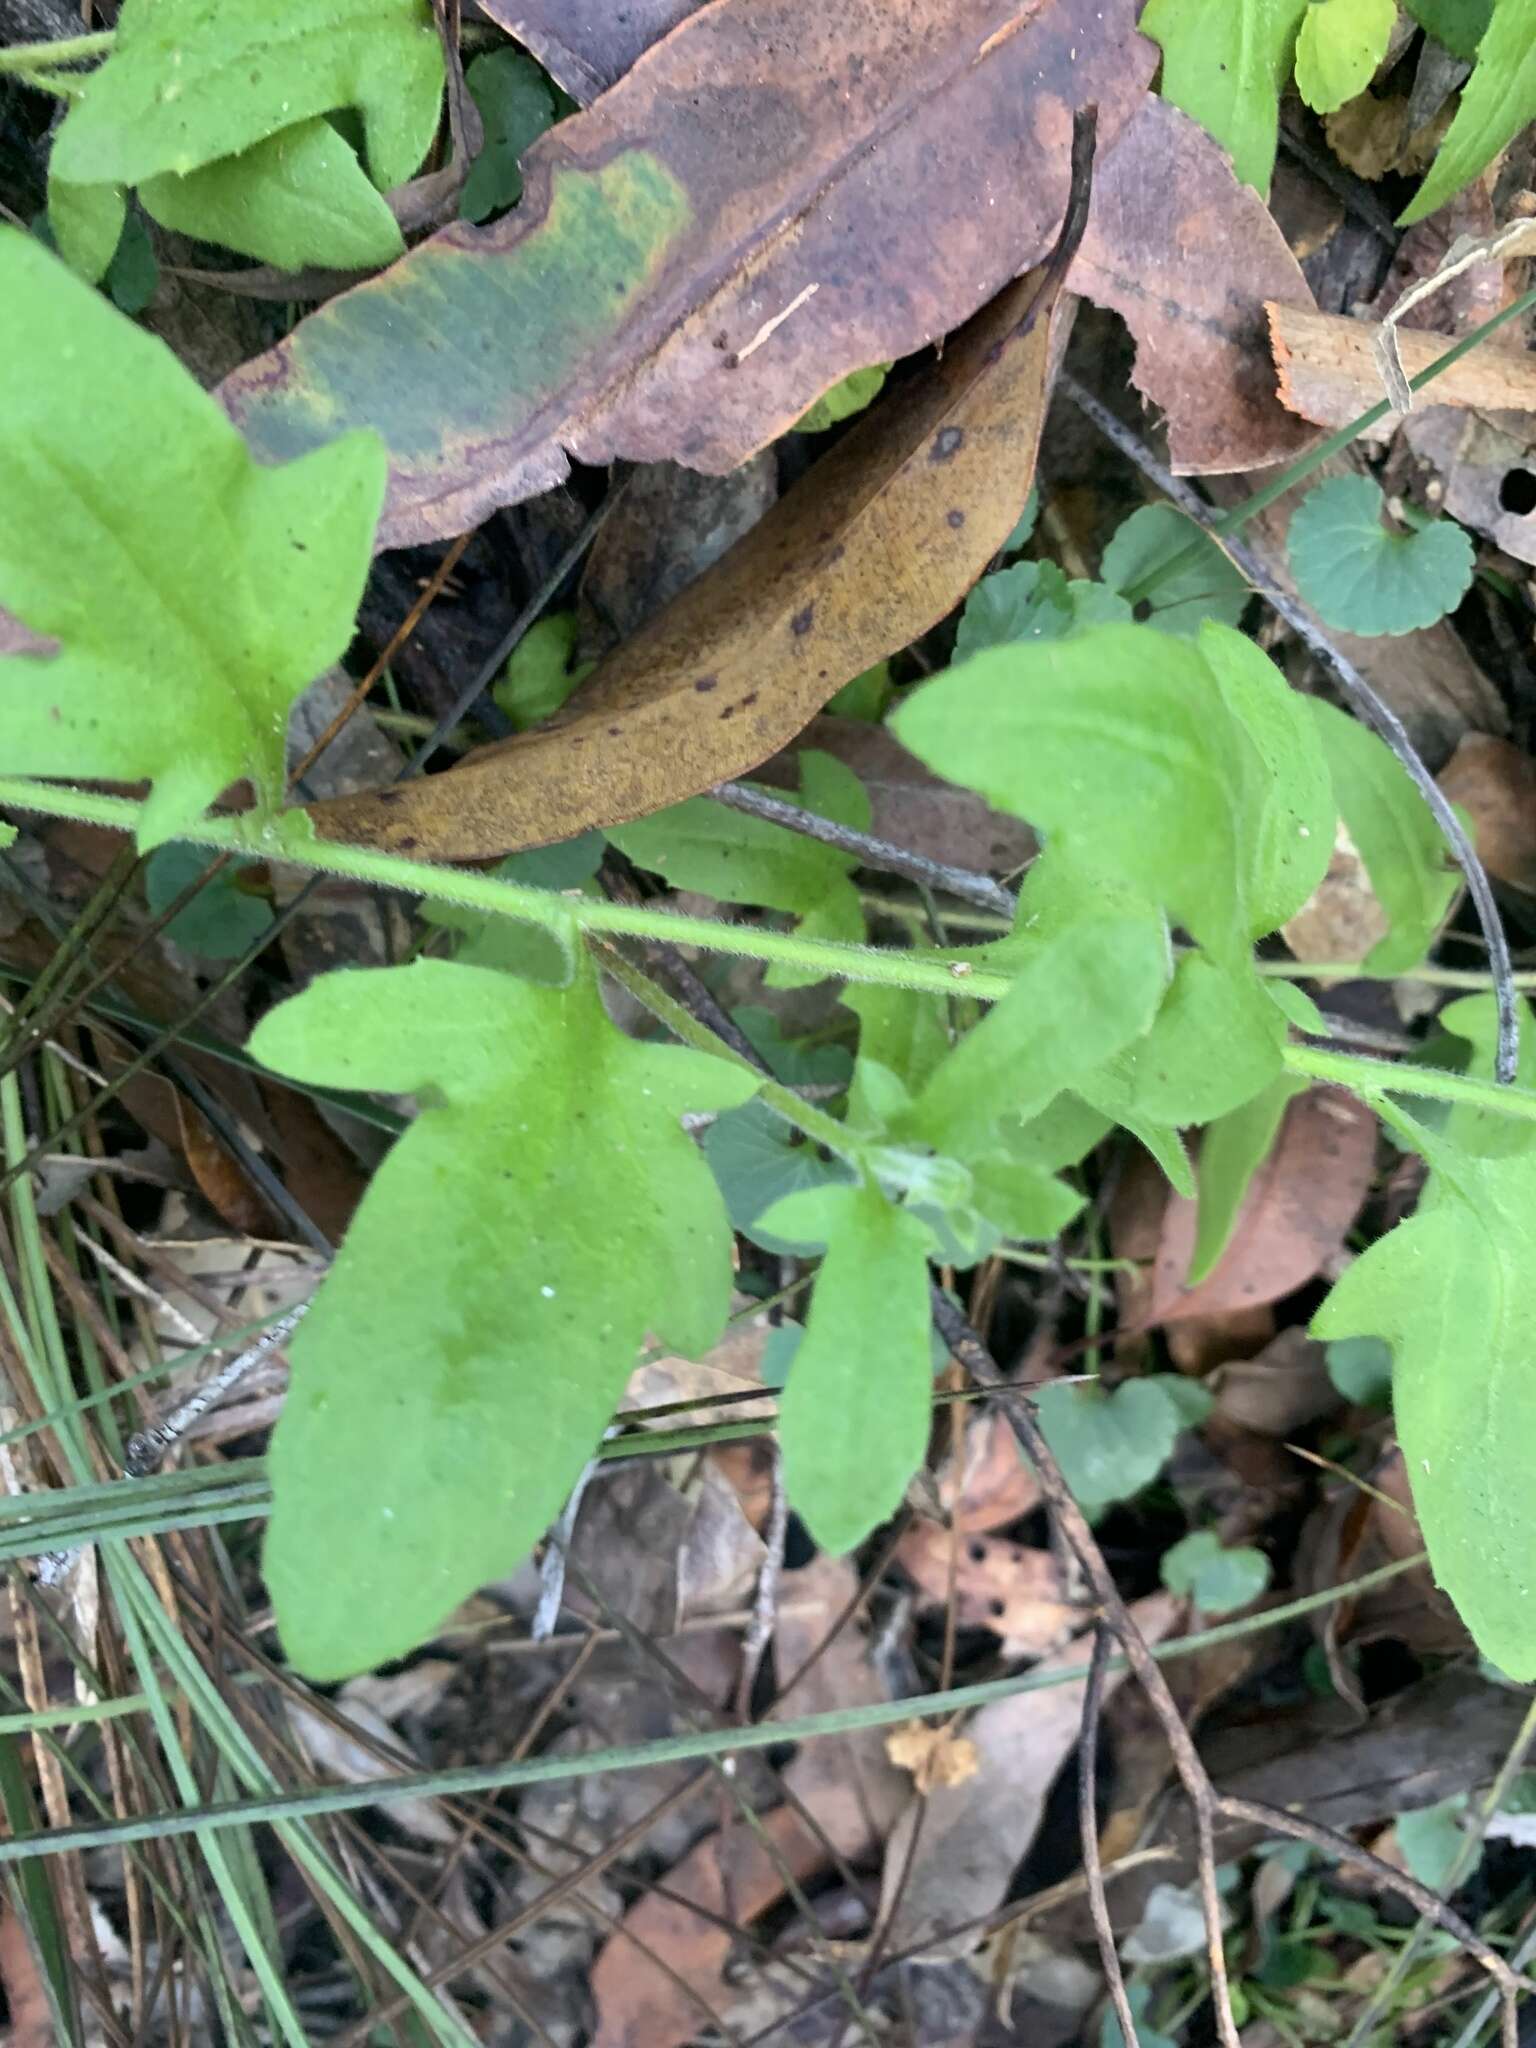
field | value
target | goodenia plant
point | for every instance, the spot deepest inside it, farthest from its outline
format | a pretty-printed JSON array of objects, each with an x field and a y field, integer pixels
[{"x": 547, "y": 1210}]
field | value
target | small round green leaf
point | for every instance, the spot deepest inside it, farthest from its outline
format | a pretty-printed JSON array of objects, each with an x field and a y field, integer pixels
[
  {"x": 222, "y": 919},
  {"x": 1361, "y": 577},
  {"x": 1138, "y": 564},
  {"x": 516, "y": 103},
  {"x": 1217, "y": 1580},
  {"x": 1361, "y": 1369}
]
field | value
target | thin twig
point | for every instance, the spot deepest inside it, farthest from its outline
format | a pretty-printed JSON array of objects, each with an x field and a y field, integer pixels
[
  {"x": 1382, "y": 719},
  {"x": 765, "y": 1605},
  {"x": 978, "y": 1361},
  {"x": 1088, "y": 1828},
  {"x": 869, "y": 851}
]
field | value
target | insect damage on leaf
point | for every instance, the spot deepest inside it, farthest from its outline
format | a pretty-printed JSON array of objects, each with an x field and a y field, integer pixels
[
  {"x": 542, "y": 1213},
  {"x": 192, "y": 594}
]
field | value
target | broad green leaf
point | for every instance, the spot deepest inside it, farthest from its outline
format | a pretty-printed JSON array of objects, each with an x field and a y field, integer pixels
[
  {"x": 222, "y": 919},
  {"x": 757, "y": 1160},
  {"x": 1496, "y": 103},
  {"x": 1362, "y": 578},
  {"x": 1020, "y": 1199},
  {"x": 193, "y": 592},
  {"x": 189, "y": 81},
  {"x": 1224, "y": 63},
  {"x": 1214, "y": 1044},
  {"x": 87, "y": 223},
  {"x": 1110, "y": 1445},
  {"x": 1061, "y": 1134},
  {"x": 1432, "y": 1839},
  {"x": 544, "y": 1211},
  {"x": 1459, "y": 24},
  {"x": 799, "y": 1062},
  {"x": 1231, "y": 1153},
  {"x": 133, "y": 275},
  {"x": 866, "y": 696},
  {"x": 1209, "y": 587},
  {"x": 1361, "y": 1369},
  {"x": 1395, "y": 835},
  {"x": 1217, "y": 1580},
  {"x": 294, "y": 198},
  {"x": 1185, "y": 769},
  {"x": 736, "y": 858},
  {"x": 1076, "y": 1000},
  {"x": 854, "y": 1416},
  {"x": 516, "y": 103},
  {"x": 901, "y": 1031},
  {"x": 1451, "y": 1292},
  {"x": 1339, "y": 46},
  {"x": 850, "y": 395},
  {"x": 538, "y": 676},
  {"x": 1032, "y": 601}
]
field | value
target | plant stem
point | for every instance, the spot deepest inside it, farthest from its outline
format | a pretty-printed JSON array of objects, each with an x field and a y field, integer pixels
[
  {"x": 1373, "y": 1079},
  {"x": 65, "y": 50},
  {"x": 1436, "y": 977},
  {"x": 881, "y": 966}
]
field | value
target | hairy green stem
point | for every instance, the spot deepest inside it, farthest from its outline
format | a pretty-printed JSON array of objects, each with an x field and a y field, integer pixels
[
  {"x": 1374, "y": 1079},
  {"x": 65, "y": 50}
]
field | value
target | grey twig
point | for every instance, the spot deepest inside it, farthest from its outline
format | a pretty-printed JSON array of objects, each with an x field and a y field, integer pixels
[
  {"x": 1364, "y": 700},
  {"x": 869, "y": 851},
  {"x": 1088, "y": 1828}
]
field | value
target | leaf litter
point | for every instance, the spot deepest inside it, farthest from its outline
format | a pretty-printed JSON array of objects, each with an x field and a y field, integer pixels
[{"x": 649, "y": 1906}]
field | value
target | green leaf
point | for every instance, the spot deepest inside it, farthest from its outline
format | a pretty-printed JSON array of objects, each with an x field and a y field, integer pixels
[
  {"x": 1215, "y": 1043},
  {"x": 1459, "y": 24},
  {"x": 517, "y": 104},
  {"x": 1110, "y": 1445},
  {"x": 1208, "y": 587},
  {"x": 1340, "y": 44},
  {"x": 1432, "y": 1838},
  {"x": 1076, "y": 1000},
  {"x": 1112, "y": 2034},
  {"x": 1361, "y": 1369},
  {"x": 1224, "y": 63},
  {"x": 87, "y": 223},
  {"x": 1032, "y": 601},
  {"x": 1450, "y": 1290},
  {"x": 1231, "y": 1153},
  {"x": 1395, "y": 835},
  {"x": 537, "y": 952},
  {"x": 543, "y": 1212},
  {"x": 1218, "y": 1581},
  {"x": 855, "y": 391},
  {"x": 1484, "y": 1132},
  {"x": 854, "y": 1417},
  {"x": 194, "y": 593},
  {"x": 189, "y": 81},
  {"x": 538, "y": 677},
  {"x": 222, "y": 919},
  {"x": 133, "y": 275},
  {"x": 736, "y": 858},
  {"x": 1185, "y": 769},
  {"x": 1362, "y": 578},
  {"x": 757, "y": 1160},
  {"x": 295, "y": 198},
  {"x": 1496, "y": 103},
  {"x": 866, "y": 696}
]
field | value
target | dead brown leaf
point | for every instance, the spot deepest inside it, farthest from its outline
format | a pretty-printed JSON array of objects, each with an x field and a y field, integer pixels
[
  {"x": 875, "y": 545},
  {"x": 1482, "y": 470},
  {"x": 1187, "y": 256},
  {"x": 1280, "y": 1391},
  {"x": 588, "y": 45},
  {"x": 1294, "y": 1218},
  {"x": 935, "y": 1757},
  {"x": 1015, "y": 1591},
  {"x": 973, "y": 1835},
  {"x": 847, "y": 1783},
  {"x": 1328, "y": 369},
  {"x": 990, "y": 1485},
  {"x": 31, "y": 2017},
  {"x": 1343, "y": 918},
  {"x": 1495, "y": 783}
]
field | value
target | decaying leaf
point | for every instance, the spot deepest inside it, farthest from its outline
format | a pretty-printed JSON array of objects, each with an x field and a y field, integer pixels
[
  {"x": 1495, "y": 784},
  {"x": 1017, "y": 1592},
  {"x": 1330, "y": 367},
  {"x": 869, "y": 550},
  {"x": 848, "y": 1786},
  {"x": 1187, "y": 256},
  {"x": 934, "y": 1756},
  {"x": 773, "y": 198},
  {"x": 588, "y": 45},
  {"x": 974, "y": 1834},
  {"x": 1467, "y": 251},
  {"x": 1299, "y": 1206}
]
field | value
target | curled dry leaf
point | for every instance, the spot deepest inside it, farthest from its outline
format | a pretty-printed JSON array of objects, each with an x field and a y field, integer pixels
[
  {"x": 846, "y": 1783},
  {"x": 1015, "y": 1591},
  {"x": 971, "y": 1837},
  {"x": 1495, "y": 784},
  {"x": 870, "y": 549},
  {"x": 775, "y": 197},
  {"x": 1294, "y": 1218},
  {"x": 934, "y": 1756}
]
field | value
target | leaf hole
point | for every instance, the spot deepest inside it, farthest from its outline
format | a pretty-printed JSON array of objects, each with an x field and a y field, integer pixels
[{"x": 1517, "y": 492}]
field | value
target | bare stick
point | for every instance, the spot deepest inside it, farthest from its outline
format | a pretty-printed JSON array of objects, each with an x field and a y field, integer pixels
[
  {"x": 1379, "y": 716},
  {"x": 1088, "y": 1827},
  {"x": 869, "y": 851},
  {"x": 978, "y": 1361}
]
